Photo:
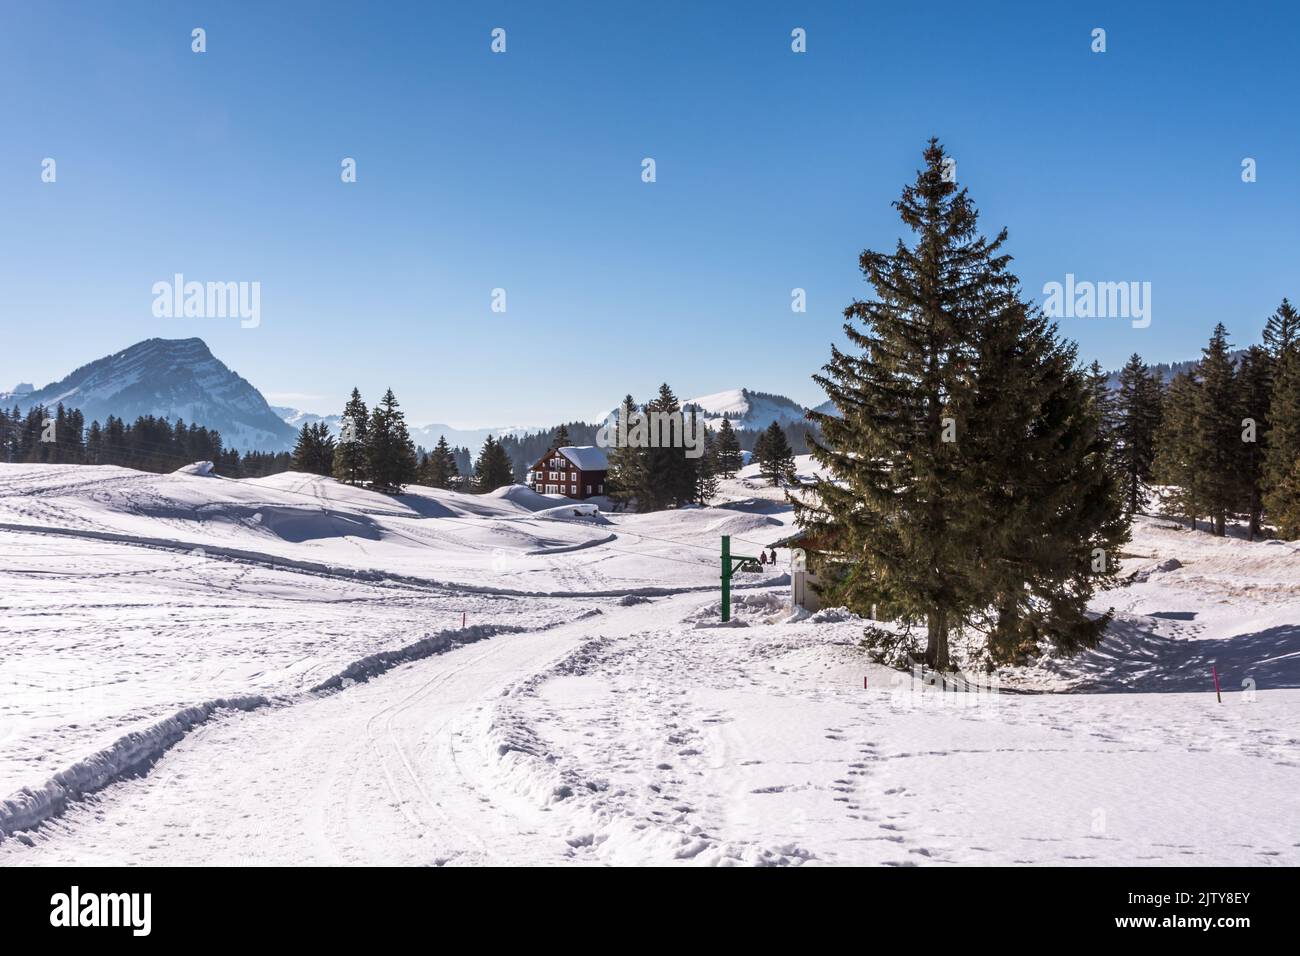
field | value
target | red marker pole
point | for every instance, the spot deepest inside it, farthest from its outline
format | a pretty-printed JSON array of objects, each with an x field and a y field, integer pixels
[
  {"x": 1215, "y": 672},
  {"x": 462, "y": 620},
  {"x": 864, "y": 681}
]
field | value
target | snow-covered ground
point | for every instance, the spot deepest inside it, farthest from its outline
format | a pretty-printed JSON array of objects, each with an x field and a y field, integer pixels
[{"x": 275, "y": 671}]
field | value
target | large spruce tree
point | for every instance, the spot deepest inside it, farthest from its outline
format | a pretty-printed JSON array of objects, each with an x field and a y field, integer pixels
[
  {"x": 968, "y": 484},
  {"x": 390, "y": 453}
]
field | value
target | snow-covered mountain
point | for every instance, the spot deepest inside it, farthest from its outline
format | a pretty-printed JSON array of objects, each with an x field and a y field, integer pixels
[
  {"x": 169, "y": 378},
  {"x": 17, "y": 394},
  {"x": 297, "y": 418},
  {"x": 747, "y": 408}
]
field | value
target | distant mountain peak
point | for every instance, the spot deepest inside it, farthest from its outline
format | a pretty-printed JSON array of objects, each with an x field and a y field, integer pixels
[
  {"x": 747, "y": 408},
  {"x": 171, "y": 378}
]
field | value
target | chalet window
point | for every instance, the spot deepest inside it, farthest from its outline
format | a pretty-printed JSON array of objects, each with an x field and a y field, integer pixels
[
  {"x": 600, "y": 489},
  {"x": 589, "y": 489}
]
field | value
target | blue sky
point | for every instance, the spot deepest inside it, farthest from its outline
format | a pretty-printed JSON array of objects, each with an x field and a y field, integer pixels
[{"x": 522, "y": 171}]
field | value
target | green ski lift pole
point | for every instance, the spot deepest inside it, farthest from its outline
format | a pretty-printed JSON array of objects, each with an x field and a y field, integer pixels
[{"x": 728, "y": 568}]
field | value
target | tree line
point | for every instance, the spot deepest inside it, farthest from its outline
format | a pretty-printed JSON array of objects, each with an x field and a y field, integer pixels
[
  {"x": 1228, "y": 444},
  {"x": 374, "y": 448},
  {"x": 527, "y": 449},
  {"x": 1218, "y": 440},
  {"x": 60, "y": 437}
]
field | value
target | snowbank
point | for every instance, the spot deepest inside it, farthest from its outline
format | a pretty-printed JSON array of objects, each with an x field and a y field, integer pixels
[{"x": 132, "y": 754}]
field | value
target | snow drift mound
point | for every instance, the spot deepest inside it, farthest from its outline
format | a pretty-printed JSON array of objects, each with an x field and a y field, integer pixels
[
  {"x": 579, "y": 511},
  {"x": 524, "y": 497},
  {"x": 197, "y": 468}
]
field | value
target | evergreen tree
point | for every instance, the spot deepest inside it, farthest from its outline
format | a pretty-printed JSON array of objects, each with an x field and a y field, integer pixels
[
  {"x": 1254, "y": 391},
  {"x": 303, "y": 453},
  {"x": 1219, "y": 430},
  {"x": 1103, "y": 401},
  {"x": 668, "y": 479},
  {"x": 1178, "y": 447},
  {"x": 562, "y": 439},
  {"x": 627, "y": 463},
  {"x": 934, "y": 509},
  {"x": 314, "y": 451},
  {"x": 759, "y": 451},
  {"x": 1136, "y": 419},
  {"x": 350, "y": 453},
  {"x": 390, "y": 453},
  {"x": 94, "y": 444},
  {"x": 707, "y": 469},
  {"x": 775, "y": 459},
  {"x": 1285, "y": 503},
  {"x": 492, "y": 470},
  {"x": 728, "y": 450},
  {"x": 442, "y": 471},
  {"x": 1045, "y": 517},
  {"x": 1282, "y": 331},
  {"x": 1283, "y": 452}
]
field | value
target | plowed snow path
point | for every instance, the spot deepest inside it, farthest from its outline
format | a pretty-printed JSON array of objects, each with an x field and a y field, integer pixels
[
  {"x": 392, "y": 771},
  {"x": 633, "y": 737}
]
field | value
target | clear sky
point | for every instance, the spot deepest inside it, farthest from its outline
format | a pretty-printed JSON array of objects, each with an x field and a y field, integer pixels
[{"x": 523, "y": 171}]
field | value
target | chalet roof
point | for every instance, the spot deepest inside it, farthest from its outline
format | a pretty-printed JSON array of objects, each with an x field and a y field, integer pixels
[{"x": 586, "y": 457}]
